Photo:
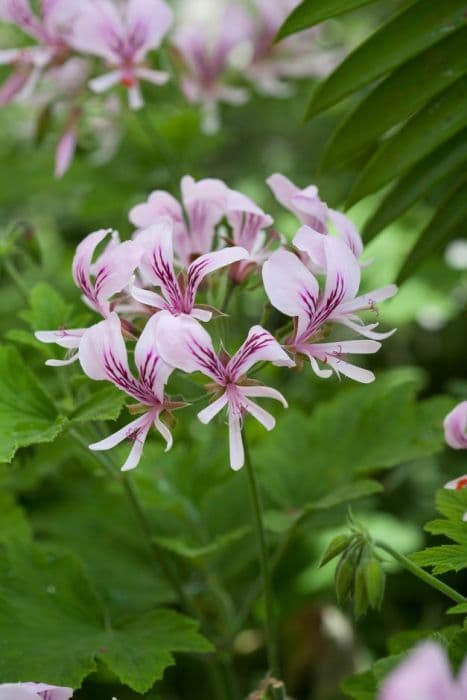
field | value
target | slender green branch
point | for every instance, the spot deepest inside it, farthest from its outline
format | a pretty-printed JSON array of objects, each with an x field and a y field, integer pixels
[
  {"x": 231, "y": 287},
  {"x": 421, "y": 573},
  {"x": 264, "y": 562},
  {"x": 16, "y": 278}
]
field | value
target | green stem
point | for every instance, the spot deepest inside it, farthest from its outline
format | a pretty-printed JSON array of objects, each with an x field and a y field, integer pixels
[
  {"x": 264, "y": 562},
  {"x": 16, "y": 278},
  {"x": 231, "y": 287},
  {"x": 421, "y": 573}
]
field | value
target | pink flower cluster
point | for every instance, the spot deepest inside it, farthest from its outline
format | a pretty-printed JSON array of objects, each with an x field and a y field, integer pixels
[
  {"x": 155, "y": 294},
  {"x": 56, "y": 70}
]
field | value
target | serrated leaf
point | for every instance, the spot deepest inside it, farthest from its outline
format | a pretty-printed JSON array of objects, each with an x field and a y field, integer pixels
[
  {"x": 413, "y": 30},
  {"x": 48, "y": 309},
  {"x": 103, "y": 404},
  {"x": 398, "y": 97},
  {"x": 451, "y": 214},
  {"x": 27, "y": 414},
  {"x": 53, "y": 627},
  {"x": 360, "y": 687},
  {"x": 191, "y": 551},
  {"x": 311, "y": 12},
  {"x": 417, "y": 183},
  {"x": 441, "y": 119}
]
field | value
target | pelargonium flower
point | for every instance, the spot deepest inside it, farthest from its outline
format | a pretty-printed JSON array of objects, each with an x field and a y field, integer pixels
[
  {"x": 184, "y": 344},
  {"x": 34, "y": 691},
  {"x": 204, "y": 203},
  {"x": 157, "y": 268},
  {"x": 457, "y": 485},
  {"x": 206, "y": 55},
  {"x": 103, "y": 356},
  {"x": 123, "y": 35},
  {"x": 425, "y": 675},
  {"x": 455, "y": 427},
  {"x": 249, "y": 226},
  {"x": 294, "y": 290},
  {"x": 313, "y": 212},
  {"x": 51, "y": 28},
  {"x": 99, "y": 282}
]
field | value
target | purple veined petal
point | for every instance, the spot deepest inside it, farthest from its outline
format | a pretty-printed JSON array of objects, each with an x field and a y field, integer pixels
[
  {"x": 208, "y": 413},
  {"x": 184, "y": 344},
  {"x": 347, "y": 229},
  {"x": 359, "y": 327},
  {"x": 82, "y": 262},
  {"x": 237, "y": 452},
  {"x": 455, "y": 427},
  {"x": 59, "y": 16},
  {"x": 104, "y": 82},
  {"x": 65, "y": 151},
  {"x": 312, "y": 243},
  {"x": 153, "y": 371},
  {"x": 425, "y": 673},
  {"x": 205, "y": 203},
  {"x": 159, "y": 204},
  {"x": 246, "y": 218},
  {"x": 369, "y": 300},
  {"x": 309, "y": 208},
  {"x": 156, "y": 77},
  {"x": 157, "y": 261},
  {"x": 69, "y": 339},
  {"x": 146, "y": 297},
  {"x": 99, "y": 30},
  {"x": 204, "y": 265},
  {"x": 114, "y": 270},
  {"x": 262, "y": 416},
  {"x": 342, "y": 277},
  {"x": 147, "y": 22},
  {"x": 265, "y": 392},
  {"x": 19, "y": 12},
  {"x": 48, "y": 692},
  {"x": 283, "y": 189},
  {"x": 136, "y": 431},
  {"x": 259, "y": 346},
  {"x": 291, "y": 287}
]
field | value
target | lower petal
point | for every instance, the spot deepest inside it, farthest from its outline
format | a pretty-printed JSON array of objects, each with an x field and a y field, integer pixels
[
  {"x": 260, "y": 414},
  {"x": 208, "y": 413},
  {"x": 237, "y": 453}
]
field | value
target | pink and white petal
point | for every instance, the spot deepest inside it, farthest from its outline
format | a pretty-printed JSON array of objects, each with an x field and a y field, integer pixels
[
  {"x": 351, "y": 347},
  {"x": 164, "y": 431},
  {"x": 153, "y": 371},
  {"x": 146, "y": 297},
  {"x": 8, "y": 56},
  {"x": 342, "y": 276},
  {"x": 184, "y": 344},
  {"x": 44, "y": 691},
  {"x": 114, "y": 270},
  {"x": 156, "y": 77},
  {"x": 262, "y": 416},
  {"x": 259, "y": 346},
  {"x": 135, "y": 97},
  {"x": 103, "y": 354},
  {"x": 159, "y": 203},
  {"x": 69, "y": 339},
  {"x": 210, "y": 262},
  {"x": 141, "y": 423},
  {"x": 291, "y": 287},
  {"x": 265, "y": 392},
  {"x": 208, "y": 413},
  {"x": 99, "y": 30},
  {"x": 312, "y": 242},
  {"x": 105, "y": 81},
  {"x": 283, "y": 189},
  {"x": 359, "y": 327},
  {"x": 457, "y": 484},
  {"x": 237, "y": 452},
  {"x": 82, "y": 261},
  {"x": 205, "y": 202},
  {"x": 455, "y": 427},
  {"x": 65, "y": 151},
  {"x": 309, "y": 208},
  {"x": 201, "y": 314},
  {"x": 147, "y": 22},
  {"x": 347, "y": 229},
  {"x": 369, "y": 300},
  {"x": 157, "y": 260},
  {"x": 351, "y": 371},
  {"x": 13, "y": 86},
  {"x": 63, "y": 363}
]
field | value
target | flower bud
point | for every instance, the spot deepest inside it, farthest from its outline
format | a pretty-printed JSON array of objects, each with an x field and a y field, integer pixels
[{"x": 336, "y": 546}]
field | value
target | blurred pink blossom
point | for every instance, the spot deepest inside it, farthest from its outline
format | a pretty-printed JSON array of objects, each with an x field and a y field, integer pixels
[
  {"x": 34, "y": 691},
  {"x": 455, "y": 427}
]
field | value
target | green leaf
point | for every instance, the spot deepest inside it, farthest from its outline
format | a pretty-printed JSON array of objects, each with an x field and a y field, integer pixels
[
  {"x": 445, "y": 223},
  {"x": 447, "y": 557},
  {"x": 311, "y": 12},
  {"x": 421, "y": 25},
  {"x": 445, "y": 116},
  {"x": 398, "y": 97},
  {"x": 360, "y": 687},
  {"x": 104, "y": 404},
  {"x": 48, "y": 309},
  {"x": 53, "y": 627},
  {"x": 460, "y": 609},
  {"x": 417, "y": 183},
  {"x": 13, "y": 522},
  {"x": 191, "y": 551},
  {"x": 27, "y": 414},
  {"x": 362, "y": 430}
]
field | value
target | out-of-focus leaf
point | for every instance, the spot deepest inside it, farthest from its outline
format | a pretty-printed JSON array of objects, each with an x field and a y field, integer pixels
[
  {"x": 447, "y": 557},
  {"x": 445, "y": 116},
  {"x": 398, "y": 97},
  {"x": 13, "y": 522},
  {"x": 191, "y": 551},
  {"x": 360, "y": 687},
  {"x": 48, "y": 310},
  {"x": 311, "y": 12},
  {"x": 421, "y": 25},
  {"x": 27, "y": 414},
  {"x": 363, "y": 430},
  {"x": 53, "y": 626},
  {"x": 445, "y": 223},
  {"x": 103, "y": 404},
  {"x": 417, "y": 183}
]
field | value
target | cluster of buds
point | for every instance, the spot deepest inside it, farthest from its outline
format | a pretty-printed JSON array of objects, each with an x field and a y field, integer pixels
[
  {"x": 55, "y": 73},
  {"x": 359, "y": 575},
  {"x": 155, "y": 295}
]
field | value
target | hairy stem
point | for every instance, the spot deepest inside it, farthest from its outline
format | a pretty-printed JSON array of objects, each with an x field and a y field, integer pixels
[
  {"x": 273, "y": 659},
  {"x": 421, "y": 573}
]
